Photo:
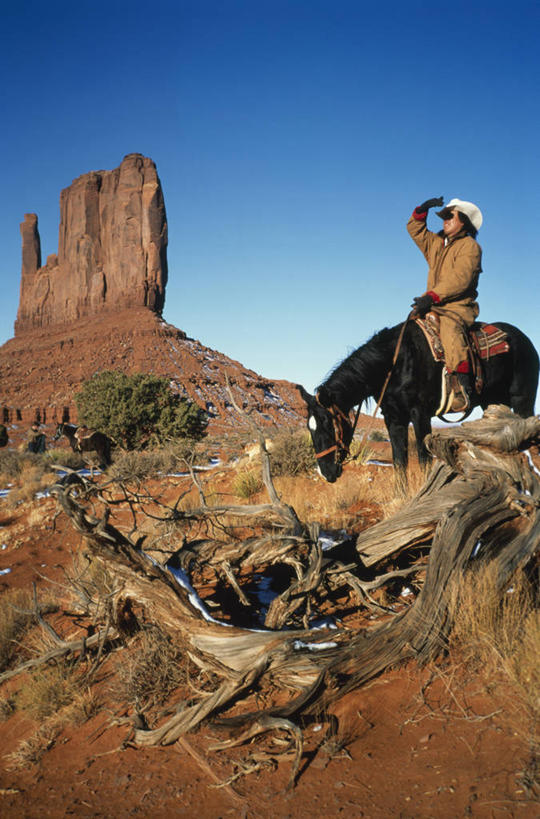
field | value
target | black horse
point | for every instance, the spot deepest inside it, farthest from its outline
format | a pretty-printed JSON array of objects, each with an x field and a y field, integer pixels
[
  {"x": 82, "y": 440},
  {"x": 413, "y": 392}
]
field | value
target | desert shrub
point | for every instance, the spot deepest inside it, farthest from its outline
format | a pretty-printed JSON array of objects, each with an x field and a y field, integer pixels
[
  {"x": 292, "y": 453},
  {"x": 152, "y": 672},
  {"x": 189, "y": 450},
  {"x": 138, "y": 465},
  {"x": 84, "y": 705},
  {"x": 15, "y": 619},
  {"x": 138, "y": 409},
  {"x": 377, "y": 435},
  {"x": 246, "y": 484}
]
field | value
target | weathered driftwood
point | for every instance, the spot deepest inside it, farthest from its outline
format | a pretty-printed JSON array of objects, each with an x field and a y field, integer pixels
[
  {"x": 463, "y": 454},
  {"x": 480, "y": 505}
]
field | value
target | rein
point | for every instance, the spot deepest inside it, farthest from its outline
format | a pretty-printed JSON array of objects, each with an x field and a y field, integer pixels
[
  {"x": 338, "y": 416},
  {"x": 394, "y": 359}
]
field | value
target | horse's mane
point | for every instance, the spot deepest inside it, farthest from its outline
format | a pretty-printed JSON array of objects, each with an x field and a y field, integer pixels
[{"x": 361, "y": 374}]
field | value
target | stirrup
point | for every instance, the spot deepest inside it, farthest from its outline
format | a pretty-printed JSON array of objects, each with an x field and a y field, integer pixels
[
  {"x": 458, "y": 401},
  {"x": 454, "y": 396}
]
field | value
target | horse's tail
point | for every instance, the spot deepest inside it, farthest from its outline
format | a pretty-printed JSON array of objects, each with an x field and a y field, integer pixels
[{"x": 526, "y": 366}]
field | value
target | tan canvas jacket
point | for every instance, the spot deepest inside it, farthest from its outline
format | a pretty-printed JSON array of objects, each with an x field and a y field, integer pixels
[{"x": 454, "y": 269}]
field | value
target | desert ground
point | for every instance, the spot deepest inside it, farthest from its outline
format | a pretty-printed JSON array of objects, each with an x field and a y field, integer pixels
[{"x": 454, "y": 738}]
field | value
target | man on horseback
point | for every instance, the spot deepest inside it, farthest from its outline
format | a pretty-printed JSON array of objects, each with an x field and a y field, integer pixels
[
  {"x": 454, "y": 258},
  {"x": 36, "y": 440}
]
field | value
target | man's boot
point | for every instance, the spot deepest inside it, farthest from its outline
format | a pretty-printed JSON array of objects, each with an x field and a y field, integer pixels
[{"x": 462, "y": 388}]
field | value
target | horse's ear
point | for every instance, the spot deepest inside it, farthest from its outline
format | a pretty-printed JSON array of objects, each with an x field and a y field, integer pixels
[
  {"x": 324, "y": 397},
  {"x": 305, "y": 394}
]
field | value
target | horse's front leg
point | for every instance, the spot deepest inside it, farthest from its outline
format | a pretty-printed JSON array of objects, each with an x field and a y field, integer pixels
[
  {"x": 398, "y": 431},
  {"x": 422, "y": 427}
]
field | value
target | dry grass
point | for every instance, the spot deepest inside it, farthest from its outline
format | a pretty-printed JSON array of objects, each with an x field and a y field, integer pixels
[
  {"x": 15, "y": 619},
  {"x": 8, "y": 706},
  {"x": 247, "y": 483},
  {"x": 31, "y": 750},
  {"x": 329, "y": 504},
  {"x": 381, "y": 488},
  {"x": 64, "y": 456},
  {"x": 500, "y": 633},
  {"x": 47, "y": 690},
  {"x": 333, "y": 505},
  {"x": 37, "y": 516},
  {"x": 132, "y": 467},
  {"x": 84, "y": 706},
  {"x": 78, "y": 709},
  {"x": 33, "y": 478},
  {"x": 361, "y": 451},
  {"x": 19, "y": 468}
]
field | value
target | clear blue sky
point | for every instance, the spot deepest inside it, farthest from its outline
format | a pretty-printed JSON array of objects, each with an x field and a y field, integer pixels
[{"x": 292, "y": 140}]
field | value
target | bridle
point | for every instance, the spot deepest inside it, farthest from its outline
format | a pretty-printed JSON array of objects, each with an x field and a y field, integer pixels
[{"x": 340, "y": 421}]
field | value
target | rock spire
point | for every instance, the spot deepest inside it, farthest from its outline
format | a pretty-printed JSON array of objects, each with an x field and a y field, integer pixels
[{"x": 112, "y": 249}]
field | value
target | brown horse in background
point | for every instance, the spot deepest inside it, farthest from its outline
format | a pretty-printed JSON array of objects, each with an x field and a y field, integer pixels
[{"x": 82, "y": 439}]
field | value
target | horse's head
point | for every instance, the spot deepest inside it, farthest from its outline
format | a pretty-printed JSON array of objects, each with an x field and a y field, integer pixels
[
  {"x": 59, "y": 432},
  {"x": 331, "y": 432}
]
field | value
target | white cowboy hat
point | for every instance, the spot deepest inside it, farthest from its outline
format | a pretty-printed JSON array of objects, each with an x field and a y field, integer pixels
[{"x": 472, "y": 211}]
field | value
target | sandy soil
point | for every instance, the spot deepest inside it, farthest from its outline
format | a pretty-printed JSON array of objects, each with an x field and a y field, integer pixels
[{"x": 433, "y": 742}]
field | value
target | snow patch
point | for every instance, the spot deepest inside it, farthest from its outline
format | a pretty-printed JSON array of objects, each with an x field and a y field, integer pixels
[{"x": 298, "y": 645}]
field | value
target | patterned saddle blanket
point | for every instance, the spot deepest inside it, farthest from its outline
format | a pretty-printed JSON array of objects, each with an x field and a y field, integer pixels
[{"x": 486, "y": 339}]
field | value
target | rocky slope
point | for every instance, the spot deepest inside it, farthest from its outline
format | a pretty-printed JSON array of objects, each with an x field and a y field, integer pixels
[{"x": 41, "y": 370}]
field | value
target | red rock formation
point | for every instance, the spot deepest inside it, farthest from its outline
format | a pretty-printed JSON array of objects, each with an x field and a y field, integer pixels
[
  {"x": 96, "y": 306},
  {"x": 31, "y": 245},
  {"x": 112, "y": 250}
]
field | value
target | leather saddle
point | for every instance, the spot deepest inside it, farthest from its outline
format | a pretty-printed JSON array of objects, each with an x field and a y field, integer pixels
[{"x": 484, "y": 342}]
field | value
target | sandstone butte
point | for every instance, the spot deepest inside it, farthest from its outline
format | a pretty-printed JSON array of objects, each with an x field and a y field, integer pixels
[{"x": 97, "y": 305}]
